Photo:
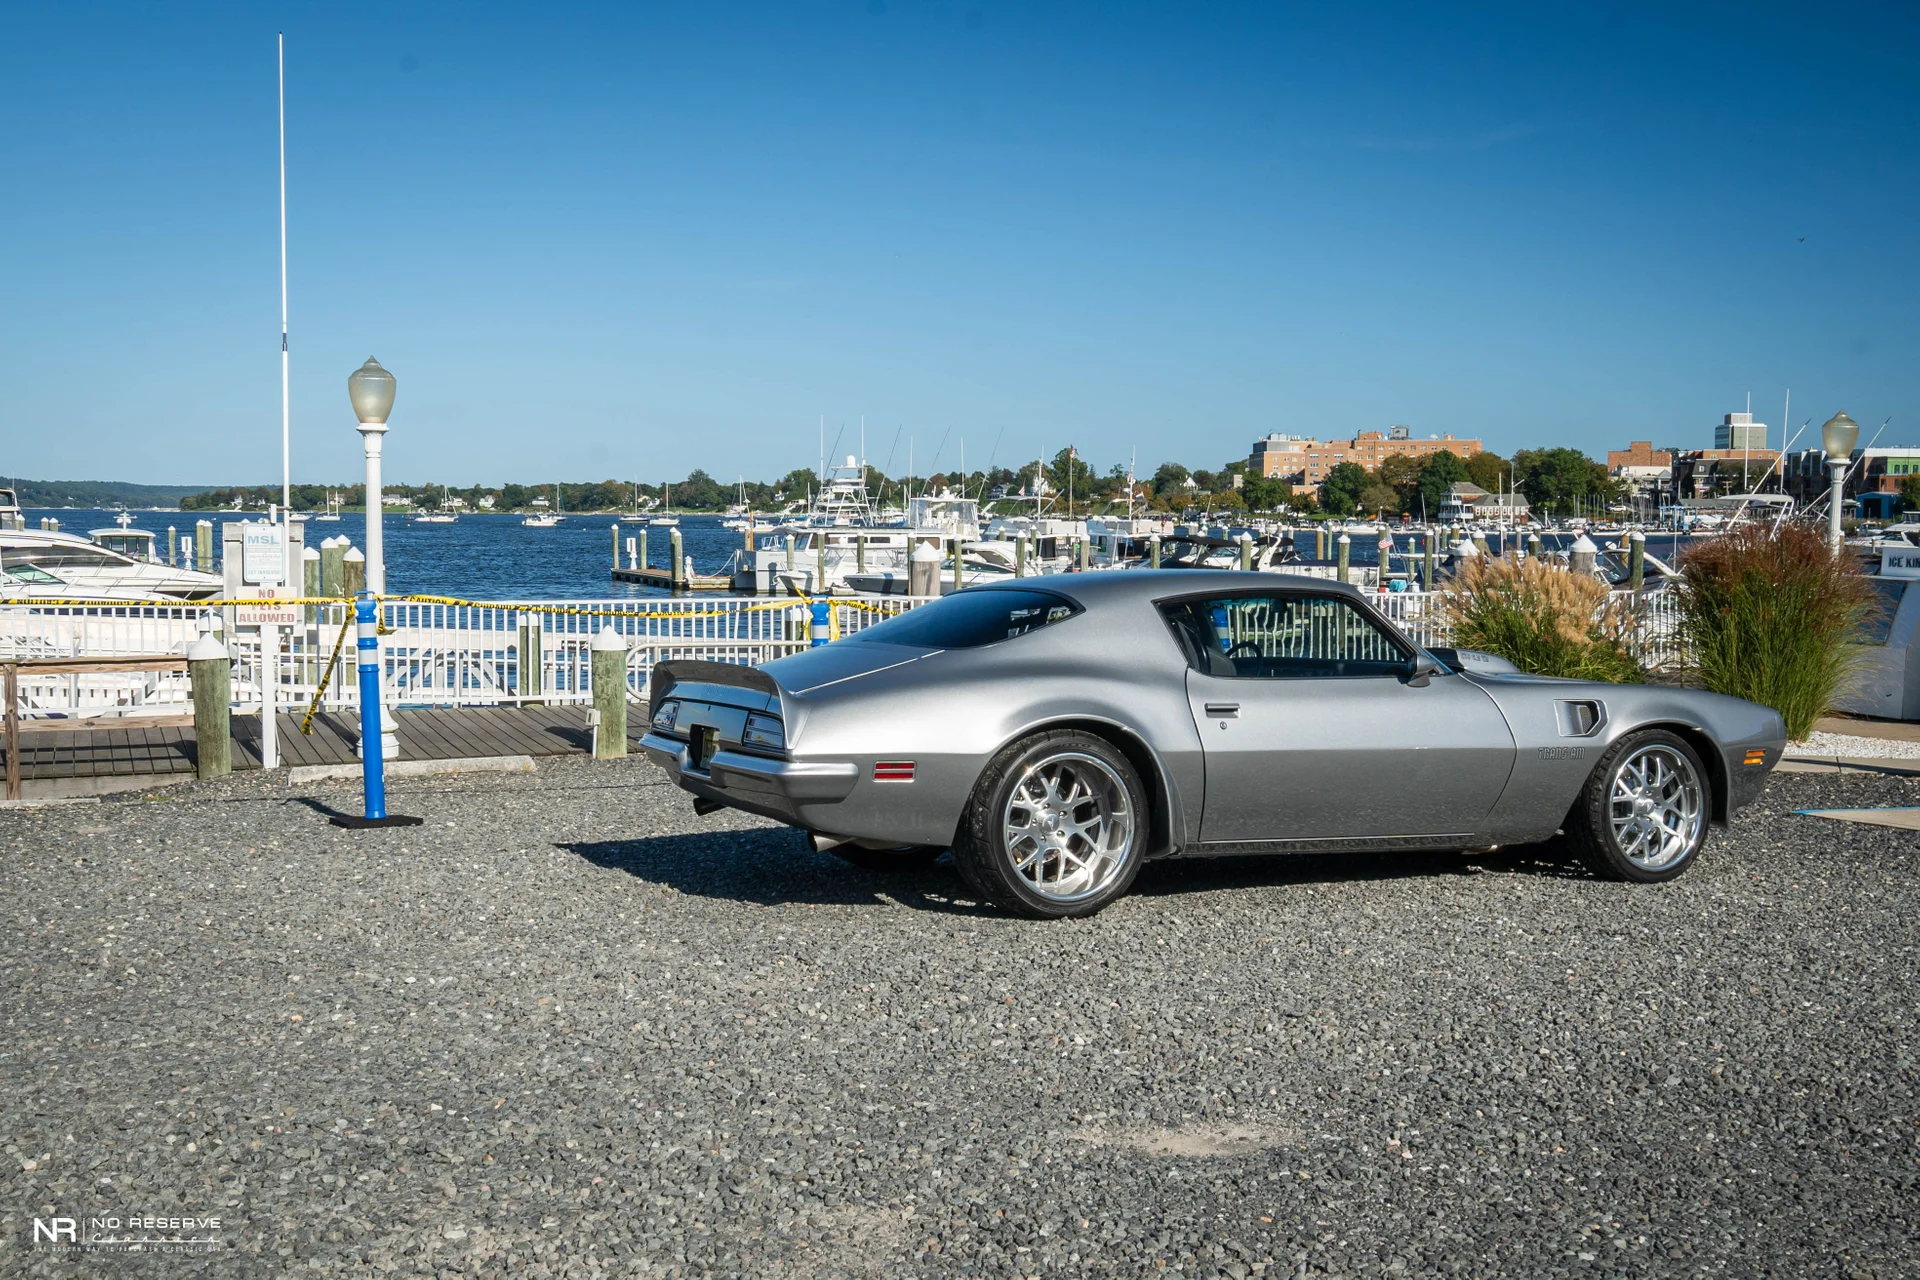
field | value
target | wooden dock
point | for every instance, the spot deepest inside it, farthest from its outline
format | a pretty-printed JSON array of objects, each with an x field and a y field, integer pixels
[
  {"x": 58, "y": 758},
  {"x": 664, "y": 580}
]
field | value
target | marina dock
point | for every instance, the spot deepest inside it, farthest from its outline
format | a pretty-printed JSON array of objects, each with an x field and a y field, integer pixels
[
  {"x": 665, "y": 581},
  {"x": 65, "y": 758}
]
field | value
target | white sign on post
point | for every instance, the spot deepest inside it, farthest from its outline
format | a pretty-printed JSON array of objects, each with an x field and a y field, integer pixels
[
  {"x": 268, "y": 615},
  {"x": 1900, "y": 562},
  {"x": 263, "y": 554}
]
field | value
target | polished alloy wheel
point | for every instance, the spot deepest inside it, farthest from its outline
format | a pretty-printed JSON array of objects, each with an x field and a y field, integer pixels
[
  {"x": 1657, "y": 807},
  {"x": 1069, "y": 826}
]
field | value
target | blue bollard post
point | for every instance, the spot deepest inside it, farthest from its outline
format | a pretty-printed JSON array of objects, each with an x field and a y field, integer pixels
[
  {"x": 373, "y": 776},
  {"x": 822, "y": 629}
]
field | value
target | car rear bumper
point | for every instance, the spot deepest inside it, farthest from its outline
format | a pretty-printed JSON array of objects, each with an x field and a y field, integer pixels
[{"x": 784, "y": 790}]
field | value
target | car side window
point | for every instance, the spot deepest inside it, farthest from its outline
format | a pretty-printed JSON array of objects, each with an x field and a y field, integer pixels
[{"x": 1285, "y": 637}]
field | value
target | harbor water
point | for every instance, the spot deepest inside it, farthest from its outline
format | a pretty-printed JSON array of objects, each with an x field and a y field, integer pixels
[{"x": 495, "y": 557}]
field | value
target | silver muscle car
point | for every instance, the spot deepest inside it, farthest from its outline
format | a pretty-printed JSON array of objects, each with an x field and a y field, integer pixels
[{"x": 1057, "y": 732}]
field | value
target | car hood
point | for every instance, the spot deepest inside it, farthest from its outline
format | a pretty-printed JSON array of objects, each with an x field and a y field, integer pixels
[{"x": 815, "y": 669}]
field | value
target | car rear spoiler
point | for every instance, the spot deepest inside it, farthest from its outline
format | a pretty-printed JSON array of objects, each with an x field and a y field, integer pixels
[{"x": 699, "y": 670}]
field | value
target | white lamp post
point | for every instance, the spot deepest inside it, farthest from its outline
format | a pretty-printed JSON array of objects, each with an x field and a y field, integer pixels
[
  {"x": 371, "y": 389},
  {"x": 1837, "y": 437}
]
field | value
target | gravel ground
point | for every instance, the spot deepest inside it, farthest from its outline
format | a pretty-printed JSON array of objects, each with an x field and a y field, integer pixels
[
  {"x": 569, "y": 1029},
  {"x": 1852, "y": 744}
]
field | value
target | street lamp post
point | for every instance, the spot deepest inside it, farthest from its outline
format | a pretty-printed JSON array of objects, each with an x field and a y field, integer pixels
[
  {"x": 1837, "y": 437},
  {"x": 371, "y": 387}
]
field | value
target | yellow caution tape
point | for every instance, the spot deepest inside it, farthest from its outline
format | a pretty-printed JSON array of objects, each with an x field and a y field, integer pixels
[{"x": 326, "y": 678}]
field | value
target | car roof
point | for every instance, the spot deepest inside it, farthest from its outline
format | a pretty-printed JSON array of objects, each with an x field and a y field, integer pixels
[{"x": 1107, "y": 586}]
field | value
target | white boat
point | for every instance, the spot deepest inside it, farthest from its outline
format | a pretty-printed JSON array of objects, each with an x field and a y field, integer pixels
[
  {"x": 547, "y": 519},
  {"x": 665, "y": 520},
  {"x": 332, "y": 513},
  {"x": 437, "y": 517},
  {"x": 635, "y": 516},
  {"x": 38, "y": 565}
]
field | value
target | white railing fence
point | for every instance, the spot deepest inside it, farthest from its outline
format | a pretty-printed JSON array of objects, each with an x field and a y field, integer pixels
[{"x": 479, "y": 655}]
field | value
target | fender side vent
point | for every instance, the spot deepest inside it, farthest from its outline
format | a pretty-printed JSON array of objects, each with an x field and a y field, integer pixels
[{"x": 1580, "y": 718}]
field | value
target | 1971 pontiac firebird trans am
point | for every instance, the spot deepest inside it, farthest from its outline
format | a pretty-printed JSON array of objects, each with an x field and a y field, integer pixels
[{"x": 1058, "y": 732}]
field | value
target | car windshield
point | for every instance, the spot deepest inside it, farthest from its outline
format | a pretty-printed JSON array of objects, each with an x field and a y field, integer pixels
[{"x": 969, "y": 619}]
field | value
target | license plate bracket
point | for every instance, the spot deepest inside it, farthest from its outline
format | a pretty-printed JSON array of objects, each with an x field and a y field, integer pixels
[{"x": 703, "y": 741}]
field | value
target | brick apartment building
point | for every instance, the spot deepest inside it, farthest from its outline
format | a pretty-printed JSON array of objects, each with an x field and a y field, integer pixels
[{"x": 1305, "y": 461}]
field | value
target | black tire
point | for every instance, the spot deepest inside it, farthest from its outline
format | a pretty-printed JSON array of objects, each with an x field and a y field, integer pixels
[
  {"x": 1086, "y": 875},
  {"x": 911, "y": 857},
  {"x": 1594, "y": 830}
]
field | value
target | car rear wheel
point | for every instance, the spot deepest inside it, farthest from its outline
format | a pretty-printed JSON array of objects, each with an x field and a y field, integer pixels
[
  {"x": 1644, "y": 812},
  {"x": 1055, "y": 827}
]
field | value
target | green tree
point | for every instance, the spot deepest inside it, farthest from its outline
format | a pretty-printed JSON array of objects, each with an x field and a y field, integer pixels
[
  {"x": 1380, "y": 498},
  {"x": 1401, "y": 473},
  {"x": 1169, "y": 478},
  {"x": 1910, "y": 493},
  {"x": 1557, "y": 479},
  {"x": 1490, "y": 471},
  {"x": 1340, "y": 491},
  {"x": 1441, "y": 470}
]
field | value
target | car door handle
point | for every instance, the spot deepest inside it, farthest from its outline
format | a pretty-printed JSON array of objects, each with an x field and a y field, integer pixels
[{"x": 1223, "y": 710}]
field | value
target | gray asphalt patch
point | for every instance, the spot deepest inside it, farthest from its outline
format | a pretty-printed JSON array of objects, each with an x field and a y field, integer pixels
[{"x": 566, "y": 1028}]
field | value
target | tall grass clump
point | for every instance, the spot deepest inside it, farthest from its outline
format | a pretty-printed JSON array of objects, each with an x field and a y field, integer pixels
[
  {"x": 1543, "y": 619},
  {"x": 1766, "y": 615}
]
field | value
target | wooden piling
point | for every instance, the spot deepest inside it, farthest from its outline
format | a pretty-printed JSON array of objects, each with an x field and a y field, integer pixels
[
  {"x": 173, "y": 545},
  {"x": 1427, "y": 549},
  {"x": 679, "y": 565},
  {"x": 211, "y": 675},
  {"x": 333, "y": 553},
  {"x": 12, "y": 694},
  {"x": 203, "y": 546},
  {"x": 644, "y": 562},
  {"x": 609, "y": 663},
  {"x": 1153, "y": 550},
  {"x": 353, "y": 572},
  {"x": 1019, "y": 555},
  {"x": 531, "y": 676},
  {"x": 1637, "y": 563},
  {"x": 1345, "y": 546},
  {"x": 616, "y": 544}
]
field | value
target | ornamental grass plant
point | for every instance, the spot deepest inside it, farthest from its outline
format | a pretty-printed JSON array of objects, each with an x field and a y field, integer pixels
[
  {"x": 1766, "y": 615},
  {"x": 1542, "y": 618}
]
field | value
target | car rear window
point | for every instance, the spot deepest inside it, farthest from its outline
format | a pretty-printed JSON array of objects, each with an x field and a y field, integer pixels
[{"x": 969, "y": 619}]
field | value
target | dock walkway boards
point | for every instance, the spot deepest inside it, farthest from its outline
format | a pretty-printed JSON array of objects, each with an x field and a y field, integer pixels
[{"x": 129, "y": 749}]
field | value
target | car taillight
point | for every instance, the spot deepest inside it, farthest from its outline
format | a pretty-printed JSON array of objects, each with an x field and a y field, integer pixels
[
  {"x": 893, "y": 771},
  {"x": 765, "y": 732}
]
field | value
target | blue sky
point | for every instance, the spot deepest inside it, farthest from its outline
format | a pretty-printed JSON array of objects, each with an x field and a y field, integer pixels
[{"x": 630, "y": 240}]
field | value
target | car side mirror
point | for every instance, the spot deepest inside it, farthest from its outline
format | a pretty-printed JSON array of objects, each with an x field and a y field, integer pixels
[{"x": 1424, "y": 669}]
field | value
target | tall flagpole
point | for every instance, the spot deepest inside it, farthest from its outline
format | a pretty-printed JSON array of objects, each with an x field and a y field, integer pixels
[
  {"x": 286, "y": 457},
  {"x": 269, "y": 632}
]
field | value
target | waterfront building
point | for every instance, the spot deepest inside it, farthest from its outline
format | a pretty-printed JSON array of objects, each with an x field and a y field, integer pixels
[
  {"x": 1713, "y": 473},
  {"x": 1305, "y": 461},
  {"x": 1872, "y": 484},
  {"x": 1646, "y": 471},
  {"x": 1467, "y": 501},
  {"x": 1740, "y": 431}
]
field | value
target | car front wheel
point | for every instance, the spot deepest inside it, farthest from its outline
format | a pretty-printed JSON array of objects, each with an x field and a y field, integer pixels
[
  {"x": 1056, "y": 826},
  {"x": 1644, "y": 812}
]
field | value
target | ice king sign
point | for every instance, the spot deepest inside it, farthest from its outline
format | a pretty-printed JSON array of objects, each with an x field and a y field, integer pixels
[{"x": 1900, "y": 562}]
